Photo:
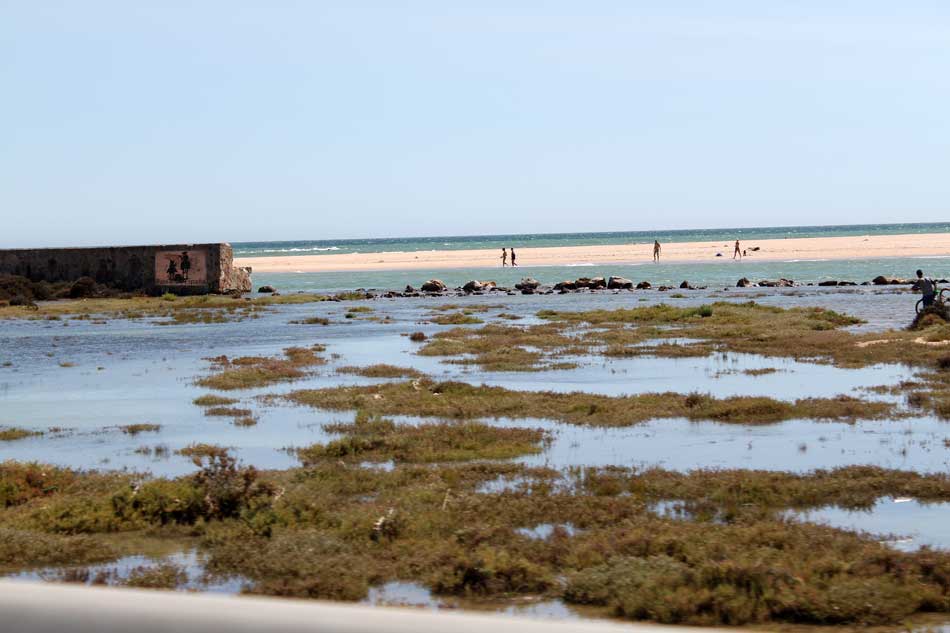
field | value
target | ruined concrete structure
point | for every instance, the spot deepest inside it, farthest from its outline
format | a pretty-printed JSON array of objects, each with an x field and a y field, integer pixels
[{"x": 179, "y": 268}]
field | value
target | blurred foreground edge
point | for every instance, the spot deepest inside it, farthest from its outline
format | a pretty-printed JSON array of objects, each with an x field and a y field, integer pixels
[{"x": 53, "y": 608}]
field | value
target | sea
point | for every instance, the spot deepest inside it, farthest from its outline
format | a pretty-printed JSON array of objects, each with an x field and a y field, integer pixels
[
  {"x": 537, "y": 240},
  {"x": 714, "y": 273}
]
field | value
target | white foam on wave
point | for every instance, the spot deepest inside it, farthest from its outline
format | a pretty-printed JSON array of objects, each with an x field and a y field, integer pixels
[
  {"x": 315, "y": 249},
  {"x": 577, "y": 265},
  {"x": 796, "y": 261}
]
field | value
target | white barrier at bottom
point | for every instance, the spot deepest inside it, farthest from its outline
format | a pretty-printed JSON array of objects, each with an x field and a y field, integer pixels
[{"x": 53, "y": 608}]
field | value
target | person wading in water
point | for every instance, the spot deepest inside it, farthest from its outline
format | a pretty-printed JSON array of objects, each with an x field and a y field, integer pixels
[
  {"x": 504, "y": 257},
  {"x": 656, "y": 250}
]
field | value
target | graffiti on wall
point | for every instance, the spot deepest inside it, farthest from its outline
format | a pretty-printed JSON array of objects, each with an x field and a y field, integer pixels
[{"x": 180, "y": 268}]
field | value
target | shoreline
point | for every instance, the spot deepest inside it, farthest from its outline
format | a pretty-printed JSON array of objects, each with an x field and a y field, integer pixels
[{"x": 770, "y": 250}]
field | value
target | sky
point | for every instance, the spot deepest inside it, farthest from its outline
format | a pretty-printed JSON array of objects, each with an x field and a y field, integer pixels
[{"x": 145, "y": 122}]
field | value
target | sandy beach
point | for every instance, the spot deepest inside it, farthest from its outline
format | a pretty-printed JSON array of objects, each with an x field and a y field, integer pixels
[{"x": 823, "y": 248}]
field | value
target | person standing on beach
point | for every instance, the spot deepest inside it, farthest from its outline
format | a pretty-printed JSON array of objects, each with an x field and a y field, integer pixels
[
  {"x": 513, "y": 257},
  {"x": 656, "y": 250},
  {"x": 927, "y": 287},
  {"x": 504, "y": 257},
  {"x": 737, "y": 252}
]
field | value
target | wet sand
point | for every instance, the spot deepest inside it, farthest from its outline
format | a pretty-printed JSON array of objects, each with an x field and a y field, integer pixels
[{"x": 820, "y": 248}]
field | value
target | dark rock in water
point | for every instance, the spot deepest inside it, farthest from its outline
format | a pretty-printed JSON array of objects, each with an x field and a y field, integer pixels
[
  {"x": 664, "y": 288},
  {"x": 598, "y": 282},
  {"x": 780, "y": 283},
  {"x": 685, "y": 286},
  {"x": 847, "y": 283},
  {"x": 564, "y": 286},
  {"x": 881, "y": 280},
  {"x": 644, "y": 285},
  {"x": 528, "y": 283},
  {"x": 865, "y": 283},
  {"x": 264, "y": 289},
  {"x": 409, "y": 289},
  {"x": 744, "y": 283},
  {"x": 433, "y": 285},
  {"x": 828, "y": 282},
  {"x": 619, "y": 283},
  {"x": 477, "y": 286},
  {"x": 582, "y": 282}
]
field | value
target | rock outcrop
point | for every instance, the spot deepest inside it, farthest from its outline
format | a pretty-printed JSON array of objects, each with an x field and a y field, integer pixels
[
  {"x": 528, "y": 283},
  {"x": 619, "y": 283},
  {"x": 478, "y": 286},
  {"x": 881, "y": 280},
  {"x": 433, "y": 285}
]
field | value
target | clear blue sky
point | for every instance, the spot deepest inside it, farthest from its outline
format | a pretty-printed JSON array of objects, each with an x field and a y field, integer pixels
[{"x": 231, "y": 120}]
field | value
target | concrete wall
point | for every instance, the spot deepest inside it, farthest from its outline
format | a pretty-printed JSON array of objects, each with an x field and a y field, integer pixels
[{"x": 179, "y": 268}]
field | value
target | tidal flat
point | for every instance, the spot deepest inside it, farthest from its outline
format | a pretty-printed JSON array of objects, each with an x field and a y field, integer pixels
[{"x": 441, "y": 452}]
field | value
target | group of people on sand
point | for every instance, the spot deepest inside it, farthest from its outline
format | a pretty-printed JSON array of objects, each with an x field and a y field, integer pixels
[
  {"x": 657, "y": 248},
  {"x": 504, "y": 257},
  {"x": 656, "y": 254},
  {"x": 926, "y": 285}
]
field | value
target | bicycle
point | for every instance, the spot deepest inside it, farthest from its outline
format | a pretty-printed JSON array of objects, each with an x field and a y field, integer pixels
[{"x": 938, "y": 299}]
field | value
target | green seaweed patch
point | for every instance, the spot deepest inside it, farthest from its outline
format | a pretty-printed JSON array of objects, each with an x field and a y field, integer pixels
[
  {"x": 455, "y": 400},
  {"x": 232, "y": 412},
  {"x": 311, "y": 321},
  {"x": 247, "y": 372},
  {"x": 212, "y": 400},
  {"x": 381, "y": 370},
  {"x": 142, "y": 427},
  {"x": 456, "y": 318},
  {"x": 13, "y": 433},
  {"x": 373, "y": 438}
]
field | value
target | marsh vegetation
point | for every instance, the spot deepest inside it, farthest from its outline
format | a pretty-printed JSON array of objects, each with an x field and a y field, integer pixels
[
  {"x": 332, "y": 530},
  {"x": 443, "y": 497},
  {"x": 247, "y": 372}
]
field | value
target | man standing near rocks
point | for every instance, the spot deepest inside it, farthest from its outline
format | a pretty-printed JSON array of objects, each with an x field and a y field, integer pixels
[
  {"x": 738, "y": 251},
  {"x": 927, "y": 287},
  {"x": 656, "y": 250}
]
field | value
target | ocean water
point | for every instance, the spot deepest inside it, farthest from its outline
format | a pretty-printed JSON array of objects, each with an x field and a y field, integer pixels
[{"x": 413, "y": 244}]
